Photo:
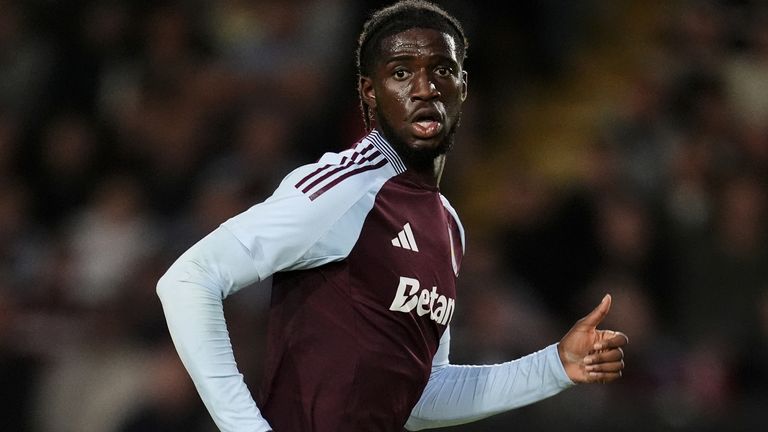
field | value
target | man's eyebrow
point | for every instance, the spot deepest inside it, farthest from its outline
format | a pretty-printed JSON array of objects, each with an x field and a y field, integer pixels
[
  {"x": 407, "y": 57},
  {"x": 400, "y": 57}
]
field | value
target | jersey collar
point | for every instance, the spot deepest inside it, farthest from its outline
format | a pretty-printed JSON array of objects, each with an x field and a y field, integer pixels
[{"x": 381, "y": 144}]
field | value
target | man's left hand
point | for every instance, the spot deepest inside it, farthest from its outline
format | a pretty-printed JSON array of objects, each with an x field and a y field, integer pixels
[{"x": 590, "y": 355}]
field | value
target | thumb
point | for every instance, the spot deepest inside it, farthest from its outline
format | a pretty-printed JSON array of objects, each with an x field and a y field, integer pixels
[{"x": 598, "y": 314}]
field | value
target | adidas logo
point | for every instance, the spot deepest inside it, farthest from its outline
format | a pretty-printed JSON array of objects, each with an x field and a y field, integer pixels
[{"x": 405, "y": 239}]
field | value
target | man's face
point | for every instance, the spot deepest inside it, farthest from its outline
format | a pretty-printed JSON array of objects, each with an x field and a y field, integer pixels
[{"x": 416, "y": 90}]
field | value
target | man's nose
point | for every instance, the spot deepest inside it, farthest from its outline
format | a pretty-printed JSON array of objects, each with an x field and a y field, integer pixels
[{"x": 423, "y": 87}]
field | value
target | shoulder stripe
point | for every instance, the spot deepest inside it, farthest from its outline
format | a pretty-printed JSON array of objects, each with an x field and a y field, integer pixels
[
  {"x": 355, "y": 155},
  {"x": 364, "y": 158},
  {"x": 370, "y": 153},
  {"x": 347, "y": 165},
  {"x": 346, "y": 175}
]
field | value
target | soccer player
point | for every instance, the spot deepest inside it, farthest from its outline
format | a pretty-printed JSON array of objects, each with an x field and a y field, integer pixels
[{"x": 364, "y": 252}]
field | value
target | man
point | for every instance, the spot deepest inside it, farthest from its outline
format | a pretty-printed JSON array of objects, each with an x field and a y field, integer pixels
[{"x": 364, "y": 254}]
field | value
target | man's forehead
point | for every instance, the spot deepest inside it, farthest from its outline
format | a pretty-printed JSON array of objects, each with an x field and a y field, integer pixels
[{"x": 419, "y": 40}]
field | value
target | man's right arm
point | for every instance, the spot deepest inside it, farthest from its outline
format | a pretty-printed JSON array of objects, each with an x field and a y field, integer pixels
[
  {"x": 289, "y": 231},
  {"x": 191, "y": 292}
]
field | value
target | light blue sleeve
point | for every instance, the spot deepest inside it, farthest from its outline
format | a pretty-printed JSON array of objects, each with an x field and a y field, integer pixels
[
  {"x": 191, "y": 292},
  {"x": 461, "y": 394},
  {"x": 290, "y": 231}
]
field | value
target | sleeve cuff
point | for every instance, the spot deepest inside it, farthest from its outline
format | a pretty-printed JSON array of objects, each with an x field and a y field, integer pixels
[{"x": 557, "y": 368}]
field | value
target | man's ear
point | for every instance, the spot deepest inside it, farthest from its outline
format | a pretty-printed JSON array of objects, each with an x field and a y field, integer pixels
[
  {"x": 367, "y": 91},
  {"x": 463, "y": 85}
]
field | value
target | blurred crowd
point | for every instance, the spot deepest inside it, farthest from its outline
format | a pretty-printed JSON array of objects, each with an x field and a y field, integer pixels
[{"x": 130, "y": 129}]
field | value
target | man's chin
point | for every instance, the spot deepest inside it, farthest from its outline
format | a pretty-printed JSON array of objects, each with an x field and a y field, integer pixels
[
  {"x": 420, "y": 154},
  {"x": 429, "y": 144}
]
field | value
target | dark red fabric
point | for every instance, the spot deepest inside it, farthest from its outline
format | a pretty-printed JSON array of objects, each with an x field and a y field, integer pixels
[{"x": 338, "y": 358}]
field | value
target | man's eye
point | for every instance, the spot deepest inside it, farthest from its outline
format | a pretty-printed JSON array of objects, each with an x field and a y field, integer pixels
[
  {"x": 400, "y": 74},
  {"x": 443, "y": 71}
]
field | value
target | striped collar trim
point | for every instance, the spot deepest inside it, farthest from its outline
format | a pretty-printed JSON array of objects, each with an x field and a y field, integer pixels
[{"x": 386, "y": 149}]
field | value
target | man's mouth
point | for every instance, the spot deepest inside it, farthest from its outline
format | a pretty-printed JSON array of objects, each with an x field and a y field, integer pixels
[{"x": 427, "y": 126}]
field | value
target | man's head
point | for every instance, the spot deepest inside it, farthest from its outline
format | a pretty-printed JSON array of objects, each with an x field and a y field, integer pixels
[{"x": 410, "y": 60}]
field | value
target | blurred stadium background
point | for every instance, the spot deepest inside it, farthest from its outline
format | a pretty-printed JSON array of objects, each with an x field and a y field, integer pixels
[{"x": 607, "y": 146}]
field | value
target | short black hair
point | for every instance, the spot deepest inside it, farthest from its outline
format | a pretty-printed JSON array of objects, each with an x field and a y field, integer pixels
[{"x": 396, "y": 18}]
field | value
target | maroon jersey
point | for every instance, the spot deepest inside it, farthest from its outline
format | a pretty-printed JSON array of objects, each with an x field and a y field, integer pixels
[
  {"x": 364, "y": 258},
  {"x": 356, "y": 319}
]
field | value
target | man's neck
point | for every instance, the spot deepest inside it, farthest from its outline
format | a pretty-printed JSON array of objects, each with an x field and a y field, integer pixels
[
  {"x": 429, "y": 172},
  {"x": 437, "y": 171},
  {"x": 430, "y": 175}
]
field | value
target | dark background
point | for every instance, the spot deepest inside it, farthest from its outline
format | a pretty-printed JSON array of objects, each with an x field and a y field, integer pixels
[{"x": 606, "y": 146}]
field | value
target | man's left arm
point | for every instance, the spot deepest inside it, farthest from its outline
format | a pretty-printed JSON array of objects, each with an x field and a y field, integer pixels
[{"x": 462, "y": 394}]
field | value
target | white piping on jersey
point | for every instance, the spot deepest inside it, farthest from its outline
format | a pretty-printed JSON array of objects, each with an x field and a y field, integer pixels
[
  {"x": 453, "y": 213},
  {"x": 453, "y": 253}
]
